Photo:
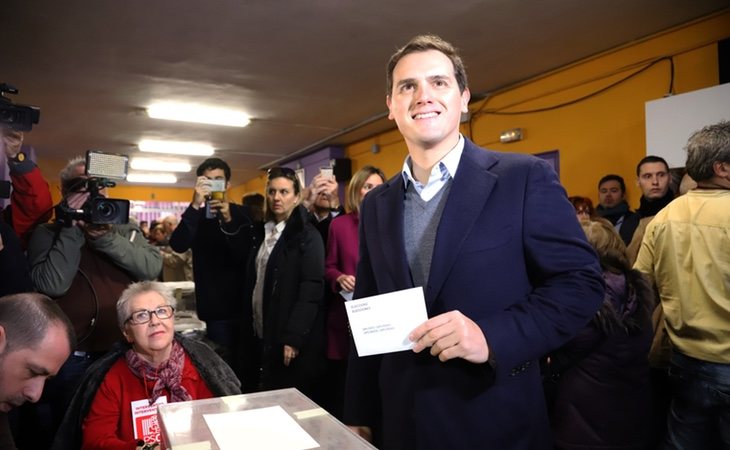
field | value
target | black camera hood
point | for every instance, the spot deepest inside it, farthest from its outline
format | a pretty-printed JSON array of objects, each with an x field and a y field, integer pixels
[{"x": 17, "y": 117}]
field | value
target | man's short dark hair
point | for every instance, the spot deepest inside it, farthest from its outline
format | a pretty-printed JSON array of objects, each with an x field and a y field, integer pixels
[
  {"x": 614, "y": 177},
  {"x": 214, "y": 163},
  {"x": 651, "y": 159},
  {"x": 705, "y": 147},
  {"x": 26, "y": 318},
  {"x": 424, "y": 43}
]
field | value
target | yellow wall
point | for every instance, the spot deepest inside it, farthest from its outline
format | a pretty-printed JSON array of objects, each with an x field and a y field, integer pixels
[
  {"x": 601, "y": 135},
  {"x": 257, "y": 184}
]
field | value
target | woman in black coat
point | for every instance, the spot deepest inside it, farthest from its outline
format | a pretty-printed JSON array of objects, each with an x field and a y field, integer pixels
[
  {"x": 285, "y": 280},
  {"x": 600, "y": 379}
]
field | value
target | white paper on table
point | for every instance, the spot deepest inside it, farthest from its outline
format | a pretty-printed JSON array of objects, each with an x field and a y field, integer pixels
[
  {"x": 264, "y": 428},
  {"x": 381, "y": 323}
]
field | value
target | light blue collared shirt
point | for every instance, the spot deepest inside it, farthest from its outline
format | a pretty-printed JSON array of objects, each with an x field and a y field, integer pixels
[{"x": 440, "y": 174}]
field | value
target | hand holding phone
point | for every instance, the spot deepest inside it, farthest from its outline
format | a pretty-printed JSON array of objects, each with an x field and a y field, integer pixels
[{"x": 326, "y": 172}]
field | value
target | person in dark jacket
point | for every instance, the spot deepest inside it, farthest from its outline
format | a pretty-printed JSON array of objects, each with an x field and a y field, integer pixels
[
  {"x": 14, "y": 269},
  {"x": 285, "y": 288},
  {"x": 612, "y": 205},
  {"x": 209, "y": 226},
  {"x": 600, "y": 379}
]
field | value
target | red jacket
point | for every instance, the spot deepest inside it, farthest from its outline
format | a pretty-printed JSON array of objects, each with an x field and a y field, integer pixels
[
  {"x": 108, "y": 425},
  {"x": 342, "y": 248},
  {"x": 30, "y": 201}
]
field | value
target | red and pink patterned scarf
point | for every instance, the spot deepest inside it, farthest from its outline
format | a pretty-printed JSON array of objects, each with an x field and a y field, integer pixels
[{"x": 167, "y": 375}]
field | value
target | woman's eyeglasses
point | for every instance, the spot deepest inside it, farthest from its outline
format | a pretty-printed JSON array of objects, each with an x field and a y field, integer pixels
[{"x": 144, "y": 315}]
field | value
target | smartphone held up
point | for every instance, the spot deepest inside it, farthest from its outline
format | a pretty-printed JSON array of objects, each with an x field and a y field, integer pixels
[{"x": 217, "y": 192}]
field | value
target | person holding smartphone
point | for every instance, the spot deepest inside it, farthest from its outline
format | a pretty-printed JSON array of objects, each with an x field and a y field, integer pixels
[
  {"x": 322, "y": 198},
  {"x": 212, "y": 227}
]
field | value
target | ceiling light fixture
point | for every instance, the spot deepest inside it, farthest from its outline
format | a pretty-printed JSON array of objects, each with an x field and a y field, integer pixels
[
  {"x": 178, "y": 148},
  {"x": 191, "y": 112},
  {"x": 161, "y": 178},
  {"x": 156, "y": 164}
]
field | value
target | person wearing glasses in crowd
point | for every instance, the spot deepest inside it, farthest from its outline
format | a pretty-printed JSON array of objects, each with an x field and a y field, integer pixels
[
  {"x": 154, "y": 366},
  {"x": 285, "y": 288}
]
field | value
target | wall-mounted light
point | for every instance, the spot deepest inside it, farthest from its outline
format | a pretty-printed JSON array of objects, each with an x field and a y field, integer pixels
[
  {"x": 515, "y": 134},
  {"x": 174, "y": 147},
  {"x": 375, "y": 149},
  {"x": 191, "y": 112}
]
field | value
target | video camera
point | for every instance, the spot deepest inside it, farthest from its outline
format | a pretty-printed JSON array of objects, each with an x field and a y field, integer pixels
[
  {"x": 98, "y": 209},
  {"x": 17, "y": 117}
]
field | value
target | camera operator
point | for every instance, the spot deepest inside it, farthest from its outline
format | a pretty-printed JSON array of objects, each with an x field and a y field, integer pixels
[
  {"x": 85, "y": 267},
  {"x": 30, "y": 201},
  {"x": 218, "y": 232}
]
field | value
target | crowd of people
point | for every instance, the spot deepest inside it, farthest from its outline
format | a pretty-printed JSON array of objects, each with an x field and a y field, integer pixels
[{"x": 552, "y": 324}]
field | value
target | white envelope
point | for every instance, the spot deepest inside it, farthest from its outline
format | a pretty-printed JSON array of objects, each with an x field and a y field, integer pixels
[{"x": 381, "y": 323}]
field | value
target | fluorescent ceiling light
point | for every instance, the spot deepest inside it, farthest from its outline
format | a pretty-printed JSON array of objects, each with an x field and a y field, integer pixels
[
  {"x": 156, "y": 164},
  {"x": 191, "y": 112},
  {"x": 178, "y": 148},
  {"x": 162, "y": 178}
]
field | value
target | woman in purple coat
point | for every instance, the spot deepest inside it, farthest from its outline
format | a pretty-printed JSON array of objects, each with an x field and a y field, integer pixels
[
  {"x": 340, "y": 265},
  {"x": 600, "y": 379}
]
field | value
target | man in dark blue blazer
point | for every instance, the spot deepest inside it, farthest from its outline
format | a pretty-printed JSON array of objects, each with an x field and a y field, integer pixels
[{"x": 506, "y": 271}]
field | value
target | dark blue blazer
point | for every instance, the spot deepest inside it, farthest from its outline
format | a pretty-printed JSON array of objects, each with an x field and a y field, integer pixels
[{"x": 510, "y": 255}]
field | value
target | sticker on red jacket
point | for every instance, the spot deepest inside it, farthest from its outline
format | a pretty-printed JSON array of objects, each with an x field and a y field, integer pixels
[{"x": 144, "y": 420}]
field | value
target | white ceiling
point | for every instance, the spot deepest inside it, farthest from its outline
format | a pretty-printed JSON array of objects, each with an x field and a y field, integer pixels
[{"x": 310, "y": 73}]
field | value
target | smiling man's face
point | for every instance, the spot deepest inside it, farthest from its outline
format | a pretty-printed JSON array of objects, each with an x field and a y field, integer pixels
[{"x": 425, "y": 102}]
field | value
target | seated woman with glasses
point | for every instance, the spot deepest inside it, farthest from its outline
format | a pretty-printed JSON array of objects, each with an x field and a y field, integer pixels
[
  {"x": 285, "y": 288},
  {"x": 154, "y": 366}
]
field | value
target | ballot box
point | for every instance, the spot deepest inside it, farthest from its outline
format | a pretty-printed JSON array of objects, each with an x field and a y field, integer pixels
[{"x": 282, "y": 419}]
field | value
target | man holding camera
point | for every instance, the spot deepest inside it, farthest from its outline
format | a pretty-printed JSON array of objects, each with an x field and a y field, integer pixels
[
  {"x": 214, "y": 228},
  {"x": 31, "y": 197},
  {"x": 85, "y": 267}
]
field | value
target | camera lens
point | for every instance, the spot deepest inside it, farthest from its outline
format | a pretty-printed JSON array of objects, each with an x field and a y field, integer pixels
[{"x": 106, "y": 210}]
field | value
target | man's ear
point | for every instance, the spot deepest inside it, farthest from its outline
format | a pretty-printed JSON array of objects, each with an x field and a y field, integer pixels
[
  {"x": 3, "y": 339},
  {"x": 721, "y": 170},
  {"x": 387, "y": 103},
  {"x": 465, "y": 97}
]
